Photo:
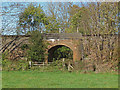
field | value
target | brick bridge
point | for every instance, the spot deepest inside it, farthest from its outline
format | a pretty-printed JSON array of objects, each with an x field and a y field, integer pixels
[
  {"x": 70, "y": 40},
  {"x": 81, "y": 45},
  {"x": 94, "y": 50}
]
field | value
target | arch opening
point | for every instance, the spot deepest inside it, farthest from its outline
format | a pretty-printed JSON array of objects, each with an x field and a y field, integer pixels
[{"x": 58, "y": 52}]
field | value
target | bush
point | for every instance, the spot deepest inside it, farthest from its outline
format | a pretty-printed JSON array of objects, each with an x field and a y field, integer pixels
[
  {"x": 37, "y": 47},
  {"x": 8, "y": 65},
  {"x": 24, "y": 46},
  {"x": 5, "y": 55},
  {"x": 55, "y": 66},
  {"x": 63, "y": 52}
]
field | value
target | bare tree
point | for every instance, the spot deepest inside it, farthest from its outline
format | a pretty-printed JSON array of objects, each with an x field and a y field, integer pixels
[{"x": 10, "y": 12}]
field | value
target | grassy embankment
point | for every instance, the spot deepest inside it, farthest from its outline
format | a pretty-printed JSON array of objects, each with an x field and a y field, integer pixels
[{"x": 36, "y": 79}]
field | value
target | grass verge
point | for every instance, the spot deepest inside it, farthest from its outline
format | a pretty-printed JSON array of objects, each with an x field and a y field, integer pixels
[{"x": 36, "y": 79}]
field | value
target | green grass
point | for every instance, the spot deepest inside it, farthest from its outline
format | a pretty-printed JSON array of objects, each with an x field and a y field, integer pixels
[
  {"x": 0, "y": 80},
  {"x": 35, "y": 79}
]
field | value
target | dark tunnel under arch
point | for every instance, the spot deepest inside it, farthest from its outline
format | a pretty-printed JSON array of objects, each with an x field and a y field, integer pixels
[{"x": 53, "y": 49}]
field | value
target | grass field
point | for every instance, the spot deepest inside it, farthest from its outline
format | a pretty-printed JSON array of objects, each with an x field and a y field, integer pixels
[
  {"x": 0, "y": 80},
  {"x": 35, "y": 79}
]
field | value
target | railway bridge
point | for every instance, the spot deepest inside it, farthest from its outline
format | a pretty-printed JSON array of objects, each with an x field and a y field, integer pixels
[{"x": 56, "y": 40}]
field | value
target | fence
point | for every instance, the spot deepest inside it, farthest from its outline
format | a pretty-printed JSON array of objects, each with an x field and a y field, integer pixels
[{"x": 39, "y": 63}]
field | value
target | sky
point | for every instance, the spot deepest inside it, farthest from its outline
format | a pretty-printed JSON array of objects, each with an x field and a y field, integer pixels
[{"x": 59, "y": 0}]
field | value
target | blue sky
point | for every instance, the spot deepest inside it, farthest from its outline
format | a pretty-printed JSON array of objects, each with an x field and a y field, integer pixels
[
  {"x": 59, "y": 0},
  {"x": 48, "y": 0}
]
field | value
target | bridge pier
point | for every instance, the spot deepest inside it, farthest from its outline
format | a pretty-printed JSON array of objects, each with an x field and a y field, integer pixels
[{"x": 76, "y": 54}]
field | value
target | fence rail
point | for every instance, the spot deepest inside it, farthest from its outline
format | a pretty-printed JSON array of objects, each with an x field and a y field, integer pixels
[{"x": 40, "y": 63}]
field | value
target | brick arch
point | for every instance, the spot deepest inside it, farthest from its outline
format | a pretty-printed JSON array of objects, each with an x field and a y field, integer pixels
[
  {"x": 53, "y": 48},
  {"x": 71, "y": 47},
  {"x": 67, "y": 43}
]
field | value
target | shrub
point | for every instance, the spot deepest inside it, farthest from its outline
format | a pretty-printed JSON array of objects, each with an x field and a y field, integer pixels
[
  {"x": 24, "y": 46},
  {"x": 5, "y": 55},
  {"x": 63, "y": 52},
  {"x": 37, "y": 47},
  {"x": 9, "y": 65}
]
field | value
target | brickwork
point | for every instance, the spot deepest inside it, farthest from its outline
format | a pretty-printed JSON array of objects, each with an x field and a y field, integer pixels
[
  {"x": 13, "y": 42},
  {"x": 70, "y": 44},
  {"x": 88, "y": 48}
]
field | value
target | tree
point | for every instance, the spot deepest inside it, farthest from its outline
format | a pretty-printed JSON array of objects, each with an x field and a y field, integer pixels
[
  {"x": 63, "y": 52},
  {"x": 32, "y": 18},
  {"x": 94, "y": 18},
  {"x": 80, "y": 20},
  {"x": 58, "y": 16},
  {"x": 37, "y": 47},
  {"x": 103, "y": 17},
  {"x": 9, "y": 13}
]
